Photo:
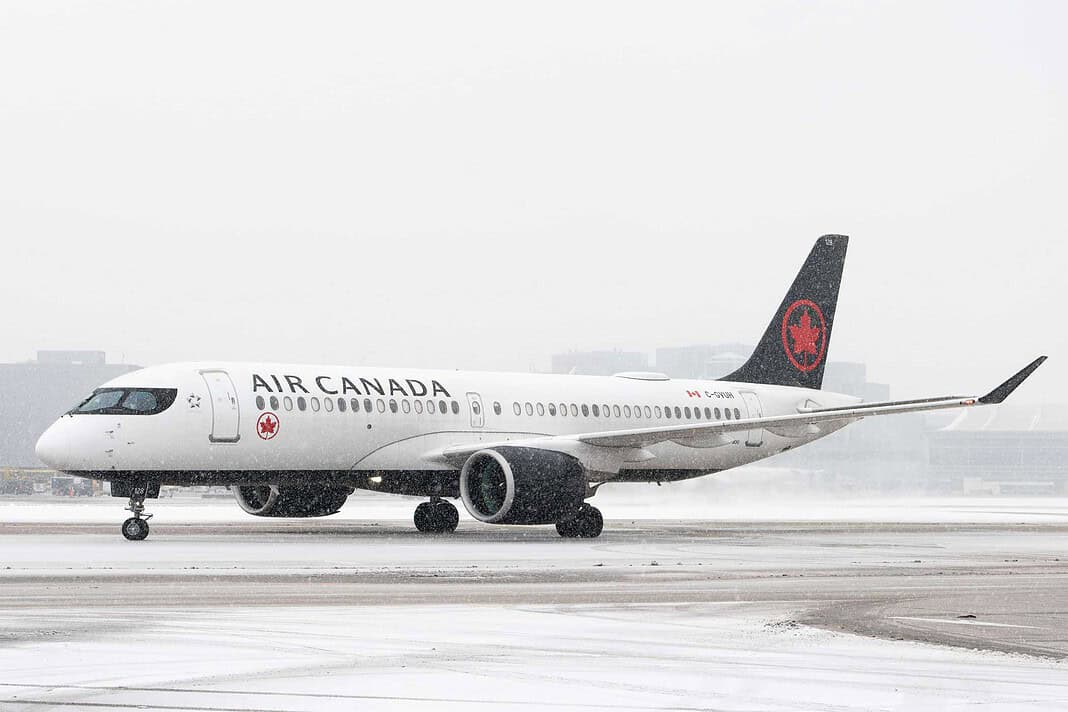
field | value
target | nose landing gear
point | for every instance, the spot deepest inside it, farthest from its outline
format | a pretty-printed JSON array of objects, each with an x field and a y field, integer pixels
[
  {"x": 436, "y": 517},
  {"x": 136, "y": 527}
]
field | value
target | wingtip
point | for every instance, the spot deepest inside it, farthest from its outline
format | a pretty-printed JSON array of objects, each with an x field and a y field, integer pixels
[{"x": 999, "y": 394}]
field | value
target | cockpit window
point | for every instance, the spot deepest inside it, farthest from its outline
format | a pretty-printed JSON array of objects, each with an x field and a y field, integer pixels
[
  {"x": 128, "y": 401},
  {"x": 140, "y": 401},
  {"x": 101, "y": 400}
]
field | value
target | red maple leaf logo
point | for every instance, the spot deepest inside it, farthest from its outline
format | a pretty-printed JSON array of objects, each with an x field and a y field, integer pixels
[
  {"x": 267, "y": 426},
  {"x": 805, "y": 335}
]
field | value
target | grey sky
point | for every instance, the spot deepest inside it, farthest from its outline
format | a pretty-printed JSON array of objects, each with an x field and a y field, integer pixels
[{"x": 481, "y": 185}]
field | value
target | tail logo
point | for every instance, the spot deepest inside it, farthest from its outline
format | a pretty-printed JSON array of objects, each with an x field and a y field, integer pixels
[{"x": 804, "y": 335}]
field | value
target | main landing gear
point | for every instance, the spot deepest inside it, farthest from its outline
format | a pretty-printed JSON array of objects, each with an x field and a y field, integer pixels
[
  {"x": 136, "y": 527},
  {"x": 436, "y": 517},
  {"x": 586, "y": 523}
]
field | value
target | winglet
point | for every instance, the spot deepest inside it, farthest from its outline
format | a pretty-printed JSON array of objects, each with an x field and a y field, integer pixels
[{"x": 1002, "y": 392}]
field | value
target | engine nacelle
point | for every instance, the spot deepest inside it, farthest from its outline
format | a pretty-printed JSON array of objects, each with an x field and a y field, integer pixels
[
  {"x": 522, "y": 485},
  {"x": 289, "y": 501}
]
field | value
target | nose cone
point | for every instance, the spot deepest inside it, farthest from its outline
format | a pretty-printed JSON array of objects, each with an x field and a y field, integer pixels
[{"x": 53, "y": 447}]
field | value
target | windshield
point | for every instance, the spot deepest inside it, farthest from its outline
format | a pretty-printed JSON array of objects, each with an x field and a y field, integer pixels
[{"x": 127, "y": 401}]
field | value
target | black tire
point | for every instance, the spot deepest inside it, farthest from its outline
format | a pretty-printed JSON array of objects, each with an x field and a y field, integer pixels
[
  {"x": 568, "y": 528},
  {"x": 447, "y": 517},
  {"x": 135, "y": 529},
  {"x": 591, "y": 522},
  {"x": 424, "y": 517}
]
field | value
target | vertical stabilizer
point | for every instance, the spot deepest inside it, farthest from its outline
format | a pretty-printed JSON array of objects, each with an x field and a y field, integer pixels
[{"x": 793, "y": 350}]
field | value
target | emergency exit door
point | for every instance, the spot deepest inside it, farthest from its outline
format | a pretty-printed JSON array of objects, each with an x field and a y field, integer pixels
[
  {"x": 478, "y": 416},
  {"x": 225, "y": 412},
  {"x": 755, "y": 436}
]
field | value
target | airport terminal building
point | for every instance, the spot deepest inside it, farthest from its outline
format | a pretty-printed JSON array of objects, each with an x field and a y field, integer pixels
[{"x": 1010, "y": 449}]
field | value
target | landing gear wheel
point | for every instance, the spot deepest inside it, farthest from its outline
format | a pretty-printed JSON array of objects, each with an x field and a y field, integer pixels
[
  {"x": 587, "y": 523},
  {"x": 135, "y": 529},
  {"x": 436, "y": 517}
]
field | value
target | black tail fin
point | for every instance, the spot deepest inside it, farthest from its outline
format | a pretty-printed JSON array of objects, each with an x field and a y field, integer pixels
[{"x": 793, "y": 351}]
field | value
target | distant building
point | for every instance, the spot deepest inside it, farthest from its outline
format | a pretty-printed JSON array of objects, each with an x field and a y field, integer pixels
[
  {"x": 1005, "y": 449},
  {"x": 599, "y": 363},
  {"x": 701, "y": 361},
  {"x": 34, "y": 394}
]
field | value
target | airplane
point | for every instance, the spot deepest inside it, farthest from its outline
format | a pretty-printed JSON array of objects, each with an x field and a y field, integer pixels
[{"x": 527, "y": 449}]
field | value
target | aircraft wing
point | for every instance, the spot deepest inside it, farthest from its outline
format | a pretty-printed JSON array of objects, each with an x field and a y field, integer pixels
[{"x": 707, "y": 434}]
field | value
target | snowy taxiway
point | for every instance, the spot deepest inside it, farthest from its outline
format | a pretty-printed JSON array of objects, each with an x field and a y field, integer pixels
[{"x": 925, "y": 604}]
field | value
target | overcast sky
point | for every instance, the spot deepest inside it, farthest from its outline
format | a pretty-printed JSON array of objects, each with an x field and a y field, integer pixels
[{"x": 459, "y": 185}]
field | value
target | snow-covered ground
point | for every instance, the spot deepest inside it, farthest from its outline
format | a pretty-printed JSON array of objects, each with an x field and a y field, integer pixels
[
  {"x": 684, "y": 500},
  {"x": 218, "y": 610},
  {"x": 722, "y": 657}
]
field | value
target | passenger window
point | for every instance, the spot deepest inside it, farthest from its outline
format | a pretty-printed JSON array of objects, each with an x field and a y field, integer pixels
[
  {"x": 455, "y": 408},
  {"x": 737, "y": 414},
  {"x": 687, "y": 411},
  {"x": 328, "y": 404},
  {"x": 649, "y": 412},
  {"x": 341, "y": 405},
  {"x": 563, "y": 409},
  {"x": 288, "y": 403},
  {"x": 552, "y": 409},
  {"x": 430, "y": 407},
  {"x": 541, "y": 409},
  {"x": 596, "y": 413},
  {"x": 727, "y": 413},
  {"x": 716, "y": 413},
  {"x": 443, "y": 407},
  {"x": 607, "y": 410},
  {"x": 475, "y": 408},
  {"x": 354, "y": 404},
  {"x": 518, "y": 409},
  {"x": 406, "y": 406},
  {"x": 274, "y": 402},
  {"x": 260, "y": 402},
  {"x": 667, "y": 412},
  {"x": 616, "y": 411},
  {"x": 379, "y": 404},
  {"x": 626, "y": 411},
  {"x": 367, "y": 404},
  {"x": 496, "y": 408},
  {"x": 392, "y": 405},
  {"x": 658, "y": 414},
  {"x": 574, "y": 410},
  {"x": 585, "y": 411},
  {"x": 708, "y": 414},
  {"x": 678, "y": 412},
  {"x": 419, "y": 407},
  {"x": 301, "y": 403},
  {"x": 315, "y": 404},
  {"x": 529, "y": 408}
]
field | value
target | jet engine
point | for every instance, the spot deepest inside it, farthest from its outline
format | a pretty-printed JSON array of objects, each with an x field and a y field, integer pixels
[
  {"x": 522, "y": 485},
  {"x": 289, "y": 501}
]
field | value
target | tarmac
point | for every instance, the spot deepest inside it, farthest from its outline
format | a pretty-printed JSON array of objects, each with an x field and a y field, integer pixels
[{"x": 995, "y": 591}]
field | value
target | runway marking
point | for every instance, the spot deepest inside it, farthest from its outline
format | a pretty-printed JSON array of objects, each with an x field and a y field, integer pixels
[
  {"x": 955, "y": 621},
  {"x": 312, "y": 695}
]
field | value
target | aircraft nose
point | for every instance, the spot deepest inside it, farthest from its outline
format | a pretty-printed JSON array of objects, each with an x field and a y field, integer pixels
[{"x": 53, "y": 447}]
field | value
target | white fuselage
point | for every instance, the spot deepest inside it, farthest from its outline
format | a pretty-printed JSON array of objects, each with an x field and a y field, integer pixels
[{"x": 235, "y": 423}]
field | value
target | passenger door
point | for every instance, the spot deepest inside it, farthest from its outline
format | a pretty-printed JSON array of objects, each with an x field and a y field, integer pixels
[
  {"x": 478, "y": 415},
  {"x": 754, "y": 437},
  {"x": 225, "y": 411}
]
